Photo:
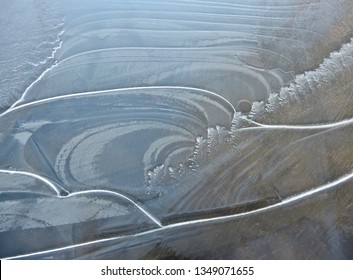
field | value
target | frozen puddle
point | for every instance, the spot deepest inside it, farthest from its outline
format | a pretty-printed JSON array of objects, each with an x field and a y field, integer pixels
[{"x": 179, "y": 129}]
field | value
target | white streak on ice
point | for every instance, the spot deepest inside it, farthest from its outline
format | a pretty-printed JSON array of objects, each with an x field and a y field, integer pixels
[
  {"x": 286, "y": 201},
  {"x": 42, "y": 75},
  {"x": 51, "y": 185},
  {"x": 155, "y": 220},
  {"x": 73, "y": 95},
  {"x": 40, "y": 178},
  {"x": 310, "y": 126}
]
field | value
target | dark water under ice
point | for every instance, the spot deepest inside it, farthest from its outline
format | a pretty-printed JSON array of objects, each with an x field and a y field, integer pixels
[{"x": 203, "y": 129}]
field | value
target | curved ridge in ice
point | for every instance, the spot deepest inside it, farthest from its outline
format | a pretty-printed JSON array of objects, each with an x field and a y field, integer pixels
[
  {"x": 156, "y": 115},
  {"x": 155, "y": 124},
  {"x": 229, "y": 164}
]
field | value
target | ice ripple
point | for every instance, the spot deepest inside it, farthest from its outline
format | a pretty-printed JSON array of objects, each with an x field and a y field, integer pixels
[{"x": 134, "y": 124}]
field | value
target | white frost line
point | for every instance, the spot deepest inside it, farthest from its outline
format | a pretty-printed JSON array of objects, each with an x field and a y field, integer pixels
[
  {"x": 28, "y": 88},
  {"x": 14, "y": 108},
  {"x": 201, "y": 221},
  {"x": 50, "y": 184},
  {"x": 65, "y": 248},
  {"x": 45, "y": 71},
  {"x": 311, "y": 127},
  {"x": 155, "y": 220},
  {"x": 283, "y": 202}
]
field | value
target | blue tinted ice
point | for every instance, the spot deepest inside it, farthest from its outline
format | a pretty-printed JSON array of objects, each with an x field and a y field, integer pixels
[{"x": 176, "y": 129}]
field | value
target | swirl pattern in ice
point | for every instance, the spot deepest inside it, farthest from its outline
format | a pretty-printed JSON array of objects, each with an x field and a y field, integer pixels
[{"x": 184, "y": 129}]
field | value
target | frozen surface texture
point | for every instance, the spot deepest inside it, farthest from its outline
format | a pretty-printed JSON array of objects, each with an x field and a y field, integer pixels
[{"x": 203, "y": 129}]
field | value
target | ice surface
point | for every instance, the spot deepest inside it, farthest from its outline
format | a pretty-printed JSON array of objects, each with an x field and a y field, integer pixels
[
  {"x": 30, "y": 35},
  {"x": 176, "y": 129}
]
